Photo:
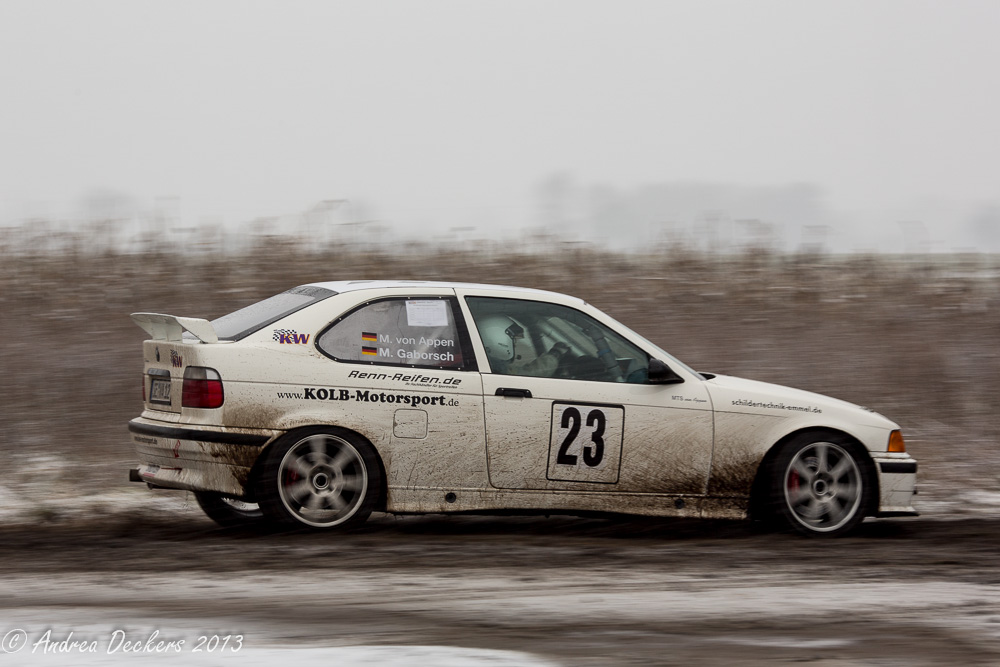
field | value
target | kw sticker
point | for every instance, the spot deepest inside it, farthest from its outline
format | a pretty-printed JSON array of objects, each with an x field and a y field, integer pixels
[
  {"x": 290, "y": 337},
  {"x": 176, "y": 360}
]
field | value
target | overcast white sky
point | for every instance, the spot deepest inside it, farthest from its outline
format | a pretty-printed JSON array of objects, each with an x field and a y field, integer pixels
[{"x": 437, "y": 114}]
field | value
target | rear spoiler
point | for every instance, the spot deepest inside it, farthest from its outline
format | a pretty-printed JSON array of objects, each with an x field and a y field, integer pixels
[{"x": 172, "y": 328}]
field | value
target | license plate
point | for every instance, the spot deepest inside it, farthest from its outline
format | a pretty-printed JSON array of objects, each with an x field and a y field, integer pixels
[{"x": 159, "y": 391}]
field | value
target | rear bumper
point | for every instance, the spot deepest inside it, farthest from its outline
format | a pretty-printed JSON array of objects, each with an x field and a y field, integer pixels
[
  {"x": 246, "y": 437},
  {"x": 196, "y": 458},
  {"x": 897, "y": 483}
]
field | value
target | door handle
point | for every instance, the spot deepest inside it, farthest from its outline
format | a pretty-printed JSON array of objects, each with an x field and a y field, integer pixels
[{"x": 513, "y": 393}]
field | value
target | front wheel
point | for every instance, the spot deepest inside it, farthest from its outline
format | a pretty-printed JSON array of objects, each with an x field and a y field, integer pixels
[
  {"x": 321, "y": 478},
  {"x": 821, "y": 484}
]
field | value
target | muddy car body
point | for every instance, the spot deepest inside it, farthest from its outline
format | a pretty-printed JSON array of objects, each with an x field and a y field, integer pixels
[{"x": 331, "y": 400}]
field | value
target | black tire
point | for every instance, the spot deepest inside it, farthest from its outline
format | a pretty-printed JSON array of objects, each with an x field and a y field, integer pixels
[
  {"x": 320, "y": 478},
  {"x": 821, "y": 484},
  {"x": 229, "y": 512}
]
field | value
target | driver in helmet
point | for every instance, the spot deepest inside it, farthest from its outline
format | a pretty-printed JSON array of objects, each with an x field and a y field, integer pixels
[{"x": 500, "y": 336}]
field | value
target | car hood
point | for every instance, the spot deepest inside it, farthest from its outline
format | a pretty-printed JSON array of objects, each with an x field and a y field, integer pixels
[{"x": 733, "y": 394}]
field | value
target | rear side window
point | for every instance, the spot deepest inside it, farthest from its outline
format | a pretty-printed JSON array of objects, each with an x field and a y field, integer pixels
[
  {"x": 245, "y": 321},
  {"x": 398, "y": 332}
]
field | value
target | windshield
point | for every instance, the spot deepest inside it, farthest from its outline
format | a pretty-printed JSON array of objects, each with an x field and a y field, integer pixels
[{"x": 245, "y": 321}]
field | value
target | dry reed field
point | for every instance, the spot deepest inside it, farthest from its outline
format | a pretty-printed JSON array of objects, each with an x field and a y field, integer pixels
[{"x": 914, "y": 338}]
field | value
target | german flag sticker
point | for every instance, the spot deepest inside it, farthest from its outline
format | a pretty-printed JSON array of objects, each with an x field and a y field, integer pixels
[
  {"x": 369, "y": 336},
  {"x": 370, "y": 351}
]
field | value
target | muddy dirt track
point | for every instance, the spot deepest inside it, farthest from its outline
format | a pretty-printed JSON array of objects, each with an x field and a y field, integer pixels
[{"x": 560, "y": 590}]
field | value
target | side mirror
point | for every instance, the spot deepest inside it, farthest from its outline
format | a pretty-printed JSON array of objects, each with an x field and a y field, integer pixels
[{"x": 660, "y": 373}]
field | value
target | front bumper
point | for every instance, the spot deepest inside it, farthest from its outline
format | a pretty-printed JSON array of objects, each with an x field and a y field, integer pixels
[
  {"x": 897, "y": 483},
  {"x": 197, "y": 458}
]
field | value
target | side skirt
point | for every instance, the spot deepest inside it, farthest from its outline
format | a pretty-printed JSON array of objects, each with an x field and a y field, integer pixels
[{"x": 404, "y": 500}]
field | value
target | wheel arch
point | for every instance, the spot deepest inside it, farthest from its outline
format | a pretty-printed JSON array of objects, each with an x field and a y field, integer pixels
[
  {"x": 759, "y": 500},
  {"x": 258, "y": 466}
]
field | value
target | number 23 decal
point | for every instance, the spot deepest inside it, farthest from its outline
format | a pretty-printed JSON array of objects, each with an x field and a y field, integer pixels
[
  {"x": 586, "y": 442},
  {"x": 592, "y": 454}
]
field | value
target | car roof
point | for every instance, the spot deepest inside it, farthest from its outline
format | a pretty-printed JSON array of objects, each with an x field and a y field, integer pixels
[{"x": 341, "y": 286}]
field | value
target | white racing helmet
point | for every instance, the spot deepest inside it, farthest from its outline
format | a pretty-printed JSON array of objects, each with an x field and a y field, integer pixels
[{"x": 500, "y": 335}]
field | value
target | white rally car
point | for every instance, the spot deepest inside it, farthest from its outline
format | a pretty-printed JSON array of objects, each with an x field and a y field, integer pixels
[{"x": 323, "y": 403}]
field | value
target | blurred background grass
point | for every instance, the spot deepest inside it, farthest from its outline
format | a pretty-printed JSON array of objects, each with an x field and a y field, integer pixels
[{"x": 913, "y": 337}]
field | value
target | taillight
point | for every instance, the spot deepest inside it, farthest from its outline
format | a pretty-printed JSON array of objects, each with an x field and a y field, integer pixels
[{"x": 202, "y": 388}]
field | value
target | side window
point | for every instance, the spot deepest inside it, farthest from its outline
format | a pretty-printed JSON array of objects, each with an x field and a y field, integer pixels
[
  {"x": 397, "y": 332},
  {"x": 540, "y": 339}
]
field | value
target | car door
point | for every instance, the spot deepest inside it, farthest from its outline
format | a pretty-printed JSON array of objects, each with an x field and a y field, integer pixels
[{"x": 569, "y": 406}]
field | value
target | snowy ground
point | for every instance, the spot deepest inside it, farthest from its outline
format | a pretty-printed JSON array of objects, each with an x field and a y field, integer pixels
[
  {"x": 144, "y": 567},
  {"x": 125, "y": 572}
]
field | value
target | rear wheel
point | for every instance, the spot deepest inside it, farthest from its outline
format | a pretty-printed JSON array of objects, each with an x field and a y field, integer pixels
[
  {"x": 321, "y": 478},
  {"x": 821, "y": 484},
  {"x": 228, "y": 512}
]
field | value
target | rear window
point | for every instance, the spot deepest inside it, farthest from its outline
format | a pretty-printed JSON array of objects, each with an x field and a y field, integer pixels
[{"x": 245, "y": 321}]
